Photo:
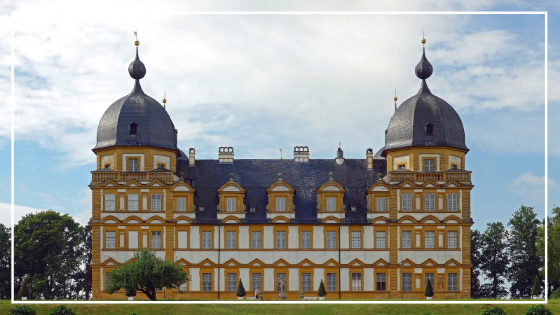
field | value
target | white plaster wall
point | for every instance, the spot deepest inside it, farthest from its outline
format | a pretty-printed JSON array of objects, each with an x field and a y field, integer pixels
[
  {"x": 268, "y": 237},
  {"x": 244, "y": 275},
  {"x": 223, "y": 279},
  {"x": 195, "y": 279},
  {"x": 454, "y": 160},
  {"x": 368, "y": 237},
  {"x": 318, "y": 275},
  {"x": 182, "y": 238},
  {"x": 344, "y": 279},
  {"x": 196, "y": 257},
  {"x": 107, "y": 159},
  {"x": 401, "y": 159},
  {"x": 132, "y": 239},
  {"x": 195, "y": 237},
  {"x": 123, "y": 256},
  {"x": 244, "y": 240},
  {"x": 289, "y": 215},
  {"x": 318, "y": 237},
  {"x": 344, "y": 237},
  {"x": 293, "y": 237},
  {"x": 219, "y": 236},
  {"x": 123, "y": 215},
  {"x": 440, "y": 256},
  {"x": 293, "y": 280},
  {"x": 144, "y": 239},
  {"x": 222, "y": 216},
  {"x": 420, "y": 216},
  {"x": 268, "y": 279},
  {"x": 162, "y": 159},
  {"x": 369, "y": 280},
  {"x": 322, "y": 215},
  {"x": 190, "y": 215},
  {"x": 367, "y": 257}
]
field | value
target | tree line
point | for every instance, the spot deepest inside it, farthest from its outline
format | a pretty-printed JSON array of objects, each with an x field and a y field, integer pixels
[{"x": 53, "y": 256}]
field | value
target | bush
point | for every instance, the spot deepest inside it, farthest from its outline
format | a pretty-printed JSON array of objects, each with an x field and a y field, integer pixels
[
  {"x": 538, "y": 310},
  {"x": 555, "y": 294},
  {"x": 321, "y": 292},
  {"x": 240, "y": 290},
  {"x": 536, "y": 291},
  {"x": 429, "y": 291},
  {"x": 493, "y": 310},
  {"x": 24, "y": 290},
  {"x": 23, "y": 310},
  {"x": 62, "y": 310}
]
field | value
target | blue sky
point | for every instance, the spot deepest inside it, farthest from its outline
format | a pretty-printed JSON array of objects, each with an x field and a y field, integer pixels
[{"x": 260, "y": 83}]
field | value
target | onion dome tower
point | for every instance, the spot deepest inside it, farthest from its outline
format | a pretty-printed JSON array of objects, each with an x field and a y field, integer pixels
[
  {"x": 424, "y": 119},
  {"x": 136, "y": 119}
]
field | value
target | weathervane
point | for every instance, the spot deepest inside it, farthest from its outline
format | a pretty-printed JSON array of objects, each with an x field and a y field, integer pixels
[
  {"x": 136, "y": 42},
  {"x": 281, "y": 158},
  {"x": 164, "y": 100}
]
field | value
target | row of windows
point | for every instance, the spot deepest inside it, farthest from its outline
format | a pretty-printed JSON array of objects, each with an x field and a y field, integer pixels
[
  {"x": 331, "y": 241},
  {"x": 110, "y": 204},
  {"x": 429, "y": 202}
]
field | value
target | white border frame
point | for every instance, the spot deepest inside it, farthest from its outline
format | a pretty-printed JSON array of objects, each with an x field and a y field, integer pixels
[{"x": 545, "y": 13}]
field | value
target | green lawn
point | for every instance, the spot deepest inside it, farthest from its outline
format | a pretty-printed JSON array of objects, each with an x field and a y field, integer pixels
[{"x": 270, "y": 309}]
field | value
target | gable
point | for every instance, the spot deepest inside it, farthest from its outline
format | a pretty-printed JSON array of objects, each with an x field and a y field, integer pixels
[
  {"x": 181, "y": 188},
  {"x": 331, "y": 188},
  {"x": 380, "y": 188},
  {"x": 280, "y": 188}
]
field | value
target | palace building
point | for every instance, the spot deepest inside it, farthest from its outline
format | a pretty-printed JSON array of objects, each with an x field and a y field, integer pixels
[{"x": 372, "y": 228}]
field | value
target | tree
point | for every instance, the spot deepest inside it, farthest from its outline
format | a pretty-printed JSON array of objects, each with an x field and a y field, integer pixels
[
  {"x": 48, "y": 247},
  {"x": 494, "y": 259},
  {"x": 536, "y": 291},
  {"x": 240, "y": 289},
  {"x": 429, "y": 290},
  {"x": 146, "y": 272},
  {"x": 83, "y": 277},
  {"x": 476, "y": 246},
  {"x": 5, "y": 262},
  {"x": 321, "y": 292},
  {"x": 24, "y": 291},
  {"x": 525, "y": 263},
  {"x": 553, "y": 249}
]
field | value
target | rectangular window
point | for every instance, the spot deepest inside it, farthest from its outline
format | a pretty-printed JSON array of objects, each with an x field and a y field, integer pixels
[
  {"x": 331, "y": 204},
  {"x": 281, "y": 276},
  {"x": 183, "y": 287},
  {"x": 306, "y": 282},
  {"x": 133, "y": 202},
  {"x": 133, "y": 165},
  {"x": 381, "y": 284},
  {"x": 280, "y": 239},
  {"x": 109, "y": 202},
  {"x": 430, "y": 202},
  {"x": 156, "y": 202},
  {"x": 331, "y": 240},
  {"x": 452, "y": 239},
  {"x": 380, "y": 239},
  {"x": 429, "y": 276},
  {"x": 181, "y": 204},
  {"x": 280, "y": 204},
  {"x": 407, "y": 239},
  {"x": 256, "y": 239},
  {"x": 429, "y": 241},
  {"x": 232, "y": 282},
  {"x": 206, "y": 282},
  {"x": 305, "y": 239},
  {"x": 257, "y": 281},
  {"x": 156, "y": 240},
  {"x": 380, "y": 204},
  {"x": 356, "y": 282},
  {"x": 231, "y": 204},
  {"x": 110, "y": 240},
  {"x": 206, "y": 240},
  {"x": 182, "y": 239},
  {"x": 407, "y": 202},
  {"x": 331, "y": 282},
  {"x": 231, "y": 240},
  {"x": 451, "y": 282},
  {"x": 407, "y": 281},
  {"x": 107, "y": 282},
  {"x": 428, "y": 165},
  {"x": 452, "y": 202},
  {"x": 356, "y": 239}
]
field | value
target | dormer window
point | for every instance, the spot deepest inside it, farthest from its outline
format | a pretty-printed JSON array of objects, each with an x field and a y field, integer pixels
[
  {"x": 132, "y": 128},
  {"x": 280, "y": 200},
  {"x": 330, "y": 200},
  {"x": 428, "y": 165},
  {"x": 133, "y": 165},
  {"x": 429, "y": 129},
  {"x": 231, "y": 196}
]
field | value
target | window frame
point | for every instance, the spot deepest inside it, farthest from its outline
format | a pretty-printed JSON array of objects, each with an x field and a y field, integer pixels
[
  {"x": 450, "y": 238},
  {"x": 450, "y": 282},
  {"x": 403, "y": 240},
  {"x": 253, "y": 280},
  {"x": 381, "y": 286},
  {"x": 403, "y": 208},
  {"x": 359, "y": 238},
  {"x": 331, "y": 204},
  {"x": 205, "y": 284},
  {"x": 114, "y": 200},
  {"x": 259, "y": 246},
  {"x": 301, "y": 239},
  {"x": 281, "y": 206},
  {"x": 407, "y": 286},
  {"x": 276, "y": 239},
  {"x": 433, "y": 239},
  {"x": 178, "y": 206},
  {"x": 114, "y": 239},
  {"x": 152, "y": 239},
  {"x": 308, "y": 276},
  {"x": 133, "y": 165},
  {"x": 333, "y": 242},
  {"x": 154, "y": 198},
  {"x": 331, "y": 283},
  {"x": 203, "y": 233},
  {"x": 429, "y": 203},
  {"x": 231, "y": 244},
  {"x": 228, "y": 282},
  {"x": 129, "y": 200},
  {"x": 233, "y": 204},
  {"x": 377, "y": 239},
  {"x": 452, "y": 202},
  {"x": 432, "y": 165},
  {"x": 357, "y": 280},
  {"x": 383, "y": 206}
]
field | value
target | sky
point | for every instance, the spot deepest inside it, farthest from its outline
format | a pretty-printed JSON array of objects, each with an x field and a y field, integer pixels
[{"x": 264, "y": 82}]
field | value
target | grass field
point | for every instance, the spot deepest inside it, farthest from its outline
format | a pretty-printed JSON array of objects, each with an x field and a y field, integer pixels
[{"x": 270, "y": 309}]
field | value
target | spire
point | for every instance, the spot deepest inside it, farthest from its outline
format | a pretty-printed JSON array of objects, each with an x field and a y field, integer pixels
[
  {"x": 424, "y": 70},
  {"x": 396, "y": 100},
  {"x": 164, "y": 100},
  {"x": 136, "y": 69}
]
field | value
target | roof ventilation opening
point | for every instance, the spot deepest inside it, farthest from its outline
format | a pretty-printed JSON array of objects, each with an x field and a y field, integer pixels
[
  {"x": 225, "y": 155},
  {"x": 192, "y": 154},
  {"x": 132, "y": 128},
  {"x": 301, "y": 154},
  {"x": 369, "y": 158},
  {"x": 429, "y": 129},
  {"x": 339, "y": 156}
]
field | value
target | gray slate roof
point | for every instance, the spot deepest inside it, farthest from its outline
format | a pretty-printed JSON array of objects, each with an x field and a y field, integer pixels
[{"x": 255, "y": 176}]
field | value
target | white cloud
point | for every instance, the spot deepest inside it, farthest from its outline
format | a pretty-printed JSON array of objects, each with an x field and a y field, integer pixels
[
  {"x": 19, "y": 212},
  {"x": 532, "y": 186}
]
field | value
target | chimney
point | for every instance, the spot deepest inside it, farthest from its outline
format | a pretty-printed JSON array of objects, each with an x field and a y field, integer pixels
[
  {"x": 191, "y": 156},
  {"x": 301, "y": 154},
  {"x": 369, "y": 159},
  {"x": 339, "y": 156},
  {"x": 225, "y": 155}
]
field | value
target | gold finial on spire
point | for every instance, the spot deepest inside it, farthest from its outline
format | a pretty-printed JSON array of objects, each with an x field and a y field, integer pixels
[
  {"x": 136, "y": 42},
  {"x": 164, "y": 100},
  {"x": 340, "y": 144},
  {"x": 281, "y": 158},
  {"x": 396, "y": 95},
  {"x": 423, "y": 39}
]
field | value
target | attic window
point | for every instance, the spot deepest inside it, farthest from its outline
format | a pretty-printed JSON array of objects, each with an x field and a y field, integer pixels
[
  {"x": 190, "y": 181},
  {"x": 200, "y": 208},
  {"x": 160, "y": 166},
  {"x": 132, "y": 128},
  {"x": 353, "y": 208},
  {"x": 253, "y": 209},
  {"x": 107, "y": 165},
  {"x": 429, "y": 129}
]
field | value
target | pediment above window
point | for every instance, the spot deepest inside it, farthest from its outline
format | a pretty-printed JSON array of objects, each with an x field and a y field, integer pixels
[
  {"x": 231, "y": 196},
  {"x": 280, "y": 199},
  {"x": 330, "y": 199}
]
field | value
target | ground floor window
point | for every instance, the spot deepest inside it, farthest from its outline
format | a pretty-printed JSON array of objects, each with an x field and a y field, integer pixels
[
  {"x": 356, "y": 282},
  {"x": 429, "y": 276},
  {"x": 306, "y": 282},
  {"x": 281, "y": 276},
  {"x": 452, "y": 282},
  {"x": 407, "y": 281},
  {"x": 381, "y": 284},
  {"x": 231, "y": 281},
  {"x": 331, "y": 282},
  {"x": 206, "y": 282},
  {"x": 257, "y": 281}
]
